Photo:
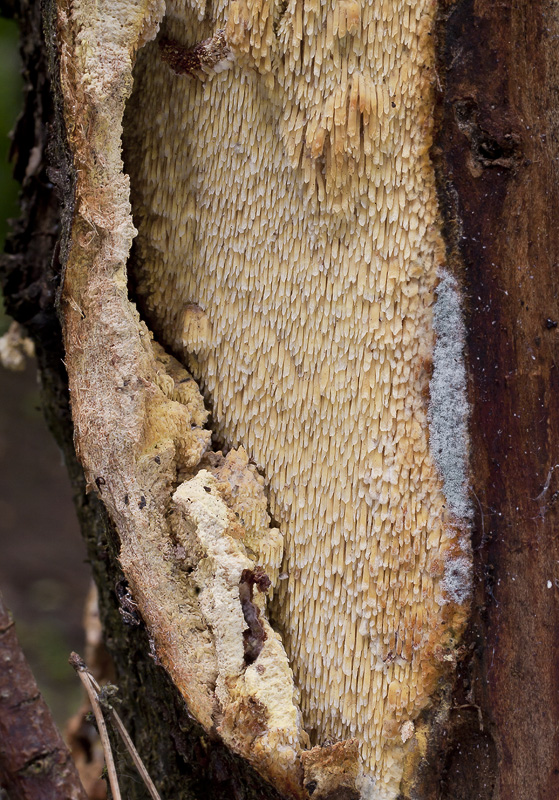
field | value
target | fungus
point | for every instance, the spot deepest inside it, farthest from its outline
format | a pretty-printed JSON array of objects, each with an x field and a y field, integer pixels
[{"x": 292, "y": 198}]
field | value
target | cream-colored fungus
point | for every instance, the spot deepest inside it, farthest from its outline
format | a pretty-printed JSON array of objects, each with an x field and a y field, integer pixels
[{"x": 288, "y": 250}]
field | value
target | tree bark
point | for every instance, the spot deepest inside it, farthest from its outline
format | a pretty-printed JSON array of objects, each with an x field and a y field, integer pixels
[
  {"x": 495, "y": 156},
  {"x": 497, "y": 160},
  {"x": 35, "y": 764}
]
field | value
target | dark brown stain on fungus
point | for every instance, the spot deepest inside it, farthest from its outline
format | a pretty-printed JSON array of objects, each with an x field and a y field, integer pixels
[
  {"x": 194, "y": 60},
  {"x": 255, "y": 636}
]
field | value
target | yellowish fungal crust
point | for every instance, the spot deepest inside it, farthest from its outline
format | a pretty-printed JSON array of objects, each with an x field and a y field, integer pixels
[
  {"x": 292, "y": 200},
  {"x": 242, "y": 489},
  {"x": 255, "y": 693},
  {"x": 289, "y": 250}
]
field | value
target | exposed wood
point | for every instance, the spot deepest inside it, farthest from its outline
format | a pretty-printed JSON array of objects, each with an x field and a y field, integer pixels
[
  {"x": 140, "y": 424},
  {"x": 184, "y": 762},
  {"x": 35, "y": 764},
  {"x": 499, "y": 175},
  {"x": 288, "y": 252}
]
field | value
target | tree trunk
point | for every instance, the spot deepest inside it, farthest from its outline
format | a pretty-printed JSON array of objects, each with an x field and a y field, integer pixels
[
  {"x": 497, "y": 159},
  {"x": 35, "y": 764},
  {"x": 303, "y": 184}
]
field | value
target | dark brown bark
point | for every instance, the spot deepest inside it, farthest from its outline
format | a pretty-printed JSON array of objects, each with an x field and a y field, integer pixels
[
  {"x": 497, "y": 157},
  {"x": 35, "y": 764}
]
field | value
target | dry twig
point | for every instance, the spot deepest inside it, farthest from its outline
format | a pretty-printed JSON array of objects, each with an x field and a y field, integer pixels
[{"x": 93, "y": 690}]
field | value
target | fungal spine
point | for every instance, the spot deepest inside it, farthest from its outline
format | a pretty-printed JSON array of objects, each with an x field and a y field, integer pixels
[{"x": 292, "y": 200}]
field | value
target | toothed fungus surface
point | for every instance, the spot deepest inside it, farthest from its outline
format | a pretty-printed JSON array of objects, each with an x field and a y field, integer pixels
[
  {"x": 288, "y": 250},
  {"x": 288, "y": 247}
]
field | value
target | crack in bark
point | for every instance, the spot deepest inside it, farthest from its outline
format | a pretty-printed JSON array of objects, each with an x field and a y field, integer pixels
[
  {"x": 27, "y": 701},
  {"x": 38, "y": 763}
]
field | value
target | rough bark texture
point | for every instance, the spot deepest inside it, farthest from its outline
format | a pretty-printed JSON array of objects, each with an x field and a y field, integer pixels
[
  {"x": 497, "y": 158},
  {"x": 183, "y": 761},
  {"x": 35, "y": 764}
]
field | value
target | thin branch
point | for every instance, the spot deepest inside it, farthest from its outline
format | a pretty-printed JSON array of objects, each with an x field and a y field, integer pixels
[
  {"x": 119, "y": 725},
  {"x": 35, "y": 764},
  {"x": 85, "y": 678}
]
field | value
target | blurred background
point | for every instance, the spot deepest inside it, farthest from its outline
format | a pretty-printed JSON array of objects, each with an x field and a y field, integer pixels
[{"x": 43, "y": 573}]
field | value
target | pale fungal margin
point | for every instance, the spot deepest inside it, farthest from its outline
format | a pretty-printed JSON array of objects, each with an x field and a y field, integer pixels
[{"x": 448, "y": 409}]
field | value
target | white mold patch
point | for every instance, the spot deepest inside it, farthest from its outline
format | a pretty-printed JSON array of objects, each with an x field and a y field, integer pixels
[{"x": 448, "y": 411}]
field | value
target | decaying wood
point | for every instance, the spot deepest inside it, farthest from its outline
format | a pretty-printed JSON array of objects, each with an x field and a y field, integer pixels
[
  {"x": 35, "y": 764},
  {"x": 152, "y": 418},
  {"x": 183, "y": 759},
  {"x": 498, "y": 182},
  {"x": 184, "y": 546},
  {"x": 292, "y": 260},
  {"x": 187, "y": 542},
  {"x": 499, "y": 179}
]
